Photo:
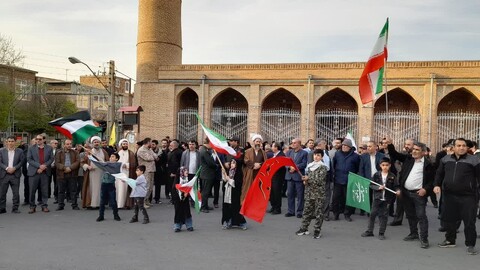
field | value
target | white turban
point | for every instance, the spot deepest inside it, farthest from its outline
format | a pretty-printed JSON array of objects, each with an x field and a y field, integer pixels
[
  {"x": 254, "y": 136},
  {"x": 121, "y": 141},
  {"x": 95, "y": 138}
]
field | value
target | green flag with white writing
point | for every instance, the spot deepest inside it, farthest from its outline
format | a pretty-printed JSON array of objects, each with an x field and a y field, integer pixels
[{"x": 358, "y": 189}]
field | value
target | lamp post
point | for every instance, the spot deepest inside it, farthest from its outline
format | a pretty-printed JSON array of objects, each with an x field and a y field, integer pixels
[{"x": 110, "y": 90}]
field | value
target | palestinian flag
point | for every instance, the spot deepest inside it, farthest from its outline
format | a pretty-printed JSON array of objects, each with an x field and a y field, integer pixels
[
  {"x": 217, "y": 141},
  {"x": 371, "y": 81},
  {"x": 191, "y": 188},
  {"x": 78, "y": 126}
]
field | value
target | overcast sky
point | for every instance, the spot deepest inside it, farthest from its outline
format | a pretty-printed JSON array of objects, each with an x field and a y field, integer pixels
[{"x": 241, "y": 31}]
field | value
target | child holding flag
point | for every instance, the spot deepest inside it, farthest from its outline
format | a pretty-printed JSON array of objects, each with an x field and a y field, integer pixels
[
  {"x": 314, "y": 182},
  {"x": 138, "y": 194},
  {"x": 382, "y": 198},
  {"x": 181, "y": 203}
]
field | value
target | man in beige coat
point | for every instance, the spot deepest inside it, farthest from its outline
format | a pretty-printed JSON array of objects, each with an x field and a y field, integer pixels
[{"x": 147, "y": 157}]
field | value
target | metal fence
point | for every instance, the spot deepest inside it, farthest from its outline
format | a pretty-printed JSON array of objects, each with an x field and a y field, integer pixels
[
  {"x": 280, "y": 124},
  {"x": 187, "y": 124},
  {"x": 335, "y": 123},
  {"x": 457, "y": 124},
  {"x": 230, "y": 122},
  {"x": 398, "y": 124}
]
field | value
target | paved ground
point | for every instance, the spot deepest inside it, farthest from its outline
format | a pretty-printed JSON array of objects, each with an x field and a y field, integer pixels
[{"x": 73, "y": 240}]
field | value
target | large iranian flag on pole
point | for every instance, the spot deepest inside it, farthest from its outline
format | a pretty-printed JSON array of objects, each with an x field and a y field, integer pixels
[
  {"x": 217, "y": 141},
  {"x": 78, "y": 126},
  {"x": 371, "y": 81}
]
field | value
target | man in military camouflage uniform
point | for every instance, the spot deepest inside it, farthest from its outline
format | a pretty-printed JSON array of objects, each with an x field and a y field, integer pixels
[{"x": 315, "y": 183}]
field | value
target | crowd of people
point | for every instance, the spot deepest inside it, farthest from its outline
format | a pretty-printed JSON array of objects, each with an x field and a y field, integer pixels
[{"x": 402, "y": 180}]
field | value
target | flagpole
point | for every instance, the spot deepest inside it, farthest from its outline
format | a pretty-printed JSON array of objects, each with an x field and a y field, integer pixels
[
  {"x": 386, "y": 84},
  {"x": 221, "y": 165}
]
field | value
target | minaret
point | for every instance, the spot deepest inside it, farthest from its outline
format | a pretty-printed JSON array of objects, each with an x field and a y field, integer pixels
[{"x": 159, "y": 39}]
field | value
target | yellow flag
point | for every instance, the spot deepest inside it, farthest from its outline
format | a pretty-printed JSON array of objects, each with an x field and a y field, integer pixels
[{"x": 113, "y": 135}]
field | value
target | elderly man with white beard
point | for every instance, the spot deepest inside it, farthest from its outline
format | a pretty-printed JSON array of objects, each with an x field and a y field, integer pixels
[
  {"x": 129, "y": 164},
  {"x": 92, "y": 180},
  {"x": 254, "y": 158}
]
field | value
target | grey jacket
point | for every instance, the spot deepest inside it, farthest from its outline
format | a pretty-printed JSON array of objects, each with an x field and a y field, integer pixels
[
  {"x": 17, "y": 162},
  {"x": 34, "y": 160},
  {"x": 185, "y": 161}
]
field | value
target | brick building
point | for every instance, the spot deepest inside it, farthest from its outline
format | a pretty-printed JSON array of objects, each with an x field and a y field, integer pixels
[{"x": 427, "y": 100}]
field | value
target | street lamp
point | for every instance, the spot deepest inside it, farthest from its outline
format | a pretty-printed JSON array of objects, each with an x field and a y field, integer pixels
[{"x": 110, "y": 90}]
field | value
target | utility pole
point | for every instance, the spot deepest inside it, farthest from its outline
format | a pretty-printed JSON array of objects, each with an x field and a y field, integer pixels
[{"x": 112, "y": 112}]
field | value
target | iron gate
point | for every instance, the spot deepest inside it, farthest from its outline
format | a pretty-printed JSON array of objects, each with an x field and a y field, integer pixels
[
  {"x": 457, "y": 124},
  {"x": 187, "y": 124},
  {"x": 335, "y": 123},
  {"x": 280, "y": 124},
  {"x": 402, "y": 125},
  {"x": 230, "y": 122}
]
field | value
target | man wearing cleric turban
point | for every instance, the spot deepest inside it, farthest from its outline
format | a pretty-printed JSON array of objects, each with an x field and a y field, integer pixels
[
  {"x": 92, "y": 178},
  {"x": 129, "y": 164},
  {"x": 254, "y": 158}
]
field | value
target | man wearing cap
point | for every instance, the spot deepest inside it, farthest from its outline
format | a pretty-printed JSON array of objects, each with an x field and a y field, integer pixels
[
  {"x": 254, "y": 158},
  {"x": 344, "y": 162},
  {"x": 129, "y": 165},
  {"x": 92, "y": 178}
]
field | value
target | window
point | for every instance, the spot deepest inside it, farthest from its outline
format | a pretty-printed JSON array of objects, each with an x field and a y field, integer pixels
[
  {"x": 127, "y": 86},
  {"x": 117, "y": 83},
  {"x": 4, "y": 79}
]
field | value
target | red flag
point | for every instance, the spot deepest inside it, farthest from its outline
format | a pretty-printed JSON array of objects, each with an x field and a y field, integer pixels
[{"x": 256, "y": 200}]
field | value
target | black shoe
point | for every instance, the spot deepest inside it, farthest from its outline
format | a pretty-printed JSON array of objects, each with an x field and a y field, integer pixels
[
  {"x": 75, "y": 208},
  {"x": 289, "y": 215},
  {"x": 3, "y": 211},
  {"x": 362, "y": 214},
  {"x": 270, "y": 210},
  {"x": 381, "y": 236},
  {"x": 133, "y": 220},
  {"x": 100, "y": 219},
  {"x": 117, "y": 218},
  {"x": 424, "y": 244},
  {"x": 411, "y": 237},
  {"x": 59, "y": 208},
  {"x": 395, "y": 223},
  {"x": 204, "y": 210},
  {"x": 447, "y": 244},
  {"x": 471, "y": 250},
  {"x": 25, "y": 203},
  {"x": 302, "y": 232},
  {"x": 367, "y": 234},
  {"x": 177, "y": 230},
  {"x": 146, "y": 221},
  {"x": 55, "y": 202},
  {"x": 190, "y": 229},
  {"x": 336, "y": 217},
  {"x": 317, "y": 235},
  {"x": 276, "y": 212},
  {"x": 299, "y": 215},
  {"x": 348, "y": 218},
  {"x": 15, "y": 211},
  {"x": 210, "y": 208}
]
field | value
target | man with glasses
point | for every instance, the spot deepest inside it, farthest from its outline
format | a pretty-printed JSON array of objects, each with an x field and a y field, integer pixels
[
  {"x": 40, "y": 158},
  {"x": 11, "y": 160}
]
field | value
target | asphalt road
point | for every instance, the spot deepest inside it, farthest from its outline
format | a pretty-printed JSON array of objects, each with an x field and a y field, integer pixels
[{"x": 74, "y": 240}]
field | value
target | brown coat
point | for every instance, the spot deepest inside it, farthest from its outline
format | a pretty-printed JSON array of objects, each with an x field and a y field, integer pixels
[
  {"x": 248, "y": 171},
  {"x": 60, "y": 163}
]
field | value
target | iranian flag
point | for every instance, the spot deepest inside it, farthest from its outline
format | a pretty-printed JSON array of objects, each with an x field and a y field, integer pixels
[
  {"x": 191, "y": 188},
  {"x": 78, "y": 126},
  {"x": 371, "y": 81},
  {"x": 217, "y": 141}
]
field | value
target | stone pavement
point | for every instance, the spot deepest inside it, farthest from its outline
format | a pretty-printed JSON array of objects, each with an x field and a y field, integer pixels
[{"x": 74, "y": 240}]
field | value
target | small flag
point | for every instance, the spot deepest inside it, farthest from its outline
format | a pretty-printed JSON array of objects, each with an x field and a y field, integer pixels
[
  {"x": 191, "y": 188},
  {"x": 77, "y": 126},
  {"x": 358, "y": 190},
  {"x": 217, "y": 141},
  {"x": 371, "y": 81},
  {"x": 113, "y": 135}
]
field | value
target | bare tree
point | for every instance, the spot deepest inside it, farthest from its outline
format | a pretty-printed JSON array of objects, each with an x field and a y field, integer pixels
[{"x": 8, "y": 54}]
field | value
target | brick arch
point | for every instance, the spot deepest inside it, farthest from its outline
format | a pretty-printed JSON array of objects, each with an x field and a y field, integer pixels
[
  {"x": 229, "y": 97},
  {"x": 398, "y": 100},
  {"x": 187, "y": 98},
  {"x": 460, "y": 99},
  {"x": 281, "y": 98},
  {"x": 336, "y": 98}
]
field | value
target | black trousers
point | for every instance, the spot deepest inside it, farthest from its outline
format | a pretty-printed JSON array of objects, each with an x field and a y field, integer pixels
[
  {"x": 415, "y": 210},
  {"x": 216, "y": 188},
  {"x": 139, "y": 205},
  {"x": 10, "y": 180},
  {"x": 460, "y": 208},
  {"x": 399, "y": 211},
  {"x": 207, "y": 185},
  {"x": 108, "y": 191},
  {"x": 339, "y": 199},
  {"x": 68, "y": 183},
  {"x": 276, "y": 193},
  {"x": 157, "y": 184},
  {"x": 380, "y": 209}
]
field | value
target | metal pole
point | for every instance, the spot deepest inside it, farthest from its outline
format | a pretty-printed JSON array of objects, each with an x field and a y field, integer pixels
[{"x": 112, "y": 110}]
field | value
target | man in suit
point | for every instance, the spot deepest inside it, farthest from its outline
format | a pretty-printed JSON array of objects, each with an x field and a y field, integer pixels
[
  {"x": 370, "y": 164},
  {"x": 11, "y": 160},
  {"x": 295, "y": 187},
  {"x": 67, "y": 162},
  {"x": 40, "y": 158},
  {"x": 207, "y": 173},
  {"x": 277, "y": 182},
  {"x": 174, "y": 157},
  {"x": 416, "y": 181}
]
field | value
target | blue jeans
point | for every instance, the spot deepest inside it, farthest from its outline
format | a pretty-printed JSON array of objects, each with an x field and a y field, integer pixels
[
  {"x": 188, "y": 224},
  {"x": 108, "y": 191}
]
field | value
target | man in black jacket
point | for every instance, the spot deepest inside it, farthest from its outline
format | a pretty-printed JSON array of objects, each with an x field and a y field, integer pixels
[
  {"x": 207, "y": 173},
  {"x": 416, "y": 181},
  {"x": 173, "y": 164},
  {"x": 457, "y": 178}
]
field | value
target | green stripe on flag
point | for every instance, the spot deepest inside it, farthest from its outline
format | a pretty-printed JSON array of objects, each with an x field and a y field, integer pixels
[
  {"x": 82, "y": 134},
  {"x": 358, "y": 190}
]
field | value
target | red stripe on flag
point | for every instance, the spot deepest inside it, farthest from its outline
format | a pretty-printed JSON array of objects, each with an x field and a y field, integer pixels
[{"x": 64, "y": 132}]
